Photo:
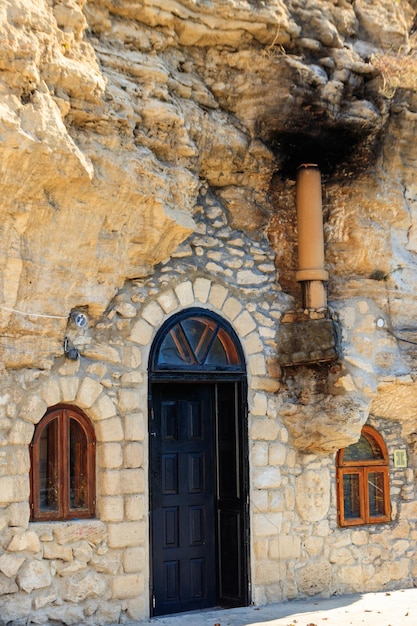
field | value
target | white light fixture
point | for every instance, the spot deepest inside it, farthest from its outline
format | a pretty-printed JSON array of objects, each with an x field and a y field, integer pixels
[
  {"x": 79, "y": 319},
  {"x": 380, "y": 322}
]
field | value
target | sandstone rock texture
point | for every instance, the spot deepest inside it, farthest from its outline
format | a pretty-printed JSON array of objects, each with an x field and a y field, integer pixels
[{"x": 148, "y": 154}]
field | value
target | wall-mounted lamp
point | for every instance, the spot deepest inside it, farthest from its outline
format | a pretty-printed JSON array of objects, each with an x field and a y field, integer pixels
[
  {"x": 380, "y": 322},
  {"x": 79, "y": 318},
  {"x": 70, "y": 351}
]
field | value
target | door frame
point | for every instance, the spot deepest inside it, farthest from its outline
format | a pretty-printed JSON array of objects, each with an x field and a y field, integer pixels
[{"x": 204, "y": 376}]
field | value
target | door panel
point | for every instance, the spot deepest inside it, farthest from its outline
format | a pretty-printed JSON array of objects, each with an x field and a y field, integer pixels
[
  {"x": 198, "y": 497},
  {"x": 231, "y": 505},
  {"x": 183, "y": 498}
]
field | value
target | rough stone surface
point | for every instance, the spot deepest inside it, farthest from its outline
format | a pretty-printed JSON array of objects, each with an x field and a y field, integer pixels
[{"x": 148, "y": 156}]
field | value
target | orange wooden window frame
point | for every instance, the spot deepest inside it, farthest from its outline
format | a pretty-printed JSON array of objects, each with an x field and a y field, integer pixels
[
  {"x": 362, "y": 468},
  {"x": 61, "y": 460}
]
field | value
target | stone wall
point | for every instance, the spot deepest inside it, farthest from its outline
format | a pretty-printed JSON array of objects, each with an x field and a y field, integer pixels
[{"x": 97, "y": 571}]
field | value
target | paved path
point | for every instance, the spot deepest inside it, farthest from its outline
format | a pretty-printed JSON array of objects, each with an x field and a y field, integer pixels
[{"x": 394, "y": 608}]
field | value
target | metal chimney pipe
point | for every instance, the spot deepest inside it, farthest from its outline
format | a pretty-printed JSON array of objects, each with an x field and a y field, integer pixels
[{"x": 311, "y": 273}]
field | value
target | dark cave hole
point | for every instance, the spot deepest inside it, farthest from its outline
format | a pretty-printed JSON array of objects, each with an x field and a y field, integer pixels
[{"x": 337, "y": 151}]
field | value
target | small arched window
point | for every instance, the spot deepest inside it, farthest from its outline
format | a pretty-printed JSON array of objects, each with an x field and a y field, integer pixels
[
  {"x": 197, "y": 341},
  {"x": 62, "y": 466},
  {"x": 363, "y": 481}
]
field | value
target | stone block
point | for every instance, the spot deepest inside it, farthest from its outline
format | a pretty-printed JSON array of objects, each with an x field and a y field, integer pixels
[
  {"x": 111, "y": 508},
  {"x": 84, "y": 585},
  {"x": 32, "y": 408},
  {"x": 69, "y": 388},
  {"x": 18, "y": 460},
  {"x": 231, "y": 308},
  {"x": 132, "y": 357},
  {"x": 14, "y": 489},
  {"x": 51, "y": 392},
  {"x": 202, "y": 289},
  {"x": 93, "y": 531},
  {"x": 244, "y": 324},
  {"x": 126, "y": 534},
  {"x": 21, "y": 433},
  {"x": 257, "y": 365},
  {"x": 133, "y": 560},
  {"x": 277, "y": 453},
  {"x": 10, "y": 564},
  {"x": 184, "y": 293},
  {"x": 88, "y": 392},
  {"x": 56, "y": 551},
  {"x": 133, "y": 455},
  {"x": 153, "y": 313},
  {"x": 127, "y": 400},
  {"x": 142, "y": 333},
  {"x": 310, "y": 341},
  {"x": 260, "y": 383},
  {"x": 259, "y": 404},
  {"x": 266, "y": 477},
  {"x": 168, "y": 301},
  {"x": 253, "y": 343},
  {"x": 34, "y": 575},
  {"x": 118, "y": 482},
  {"x": 134, "y": 427},
  {"x": 15, "y": 608},
  {"x": 134, "y": 507},
  {"x": 83, "y": 552},
  {"x": 315, "y": 578},
  {"x": 103, "y": 408},
  {"x": 218, "y": 294},
  {"x": 259, "y": 454},
  {"x": 109, "y": 563},
  {"x": 110, "y": 455},
  {"x": 109, "y": 430},
  {"x": 264, "y": 429},
  {"x": 267, "y": 524},
  {"x": 285, "y": 548},
  {"x": 127, "y": 586}
]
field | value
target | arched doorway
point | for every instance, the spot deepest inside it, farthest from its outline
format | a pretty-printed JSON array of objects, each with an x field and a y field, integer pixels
[{"x": 198, "y": 465}]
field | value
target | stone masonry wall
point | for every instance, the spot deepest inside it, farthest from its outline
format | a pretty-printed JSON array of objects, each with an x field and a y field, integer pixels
[{"x": 97, "y": 571}]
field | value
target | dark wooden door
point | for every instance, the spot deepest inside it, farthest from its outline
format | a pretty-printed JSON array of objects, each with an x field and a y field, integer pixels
[{"x": 198, "y": 486}]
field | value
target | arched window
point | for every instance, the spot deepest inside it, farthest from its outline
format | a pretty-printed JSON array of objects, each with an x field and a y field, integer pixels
[
  {"x": 62, "y": 466},
  {"x": 363, "y": 481},
  {"x": 197, "y": 341}
]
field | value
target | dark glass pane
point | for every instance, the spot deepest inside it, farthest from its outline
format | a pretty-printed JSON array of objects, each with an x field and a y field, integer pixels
[
  {"x": 366, "y": 449},
  {"x": 199, "y": 333},
  {"x": 78, "y": 466},
  {"x": 376, "y": 494},
  {"x": 197, "y": 341},
  {"x": 48, "y": 468},
  {"x": 351, "y": 496},
  {"x": 174, "y": 349},
  {"x": 217, "y": 354}
]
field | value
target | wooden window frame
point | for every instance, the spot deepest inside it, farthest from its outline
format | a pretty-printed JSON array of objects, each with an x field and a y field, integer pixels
[
  {"x": 363, "y": 468},
  {"x": 63, "y": 414}
]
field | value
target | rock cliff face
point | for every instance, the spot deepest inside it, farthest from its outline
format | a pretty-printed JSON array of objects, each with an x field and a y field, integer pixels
[
  {"x": 112, "y": 113},
  {"x": 148, "y": 159}
]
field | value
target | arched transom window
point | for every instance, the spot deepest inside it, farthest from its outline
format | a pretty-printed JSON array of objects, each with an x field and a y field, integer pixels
[
  {"x": 363, "y": 481},
  {"x": 196, "y": 340},
  {"x": 63, "y": 466}
]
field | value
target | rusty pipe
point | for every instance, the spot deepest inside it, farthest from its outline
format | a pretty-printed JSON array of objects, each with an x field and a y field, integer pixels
[{"x": 311, "y": 273}]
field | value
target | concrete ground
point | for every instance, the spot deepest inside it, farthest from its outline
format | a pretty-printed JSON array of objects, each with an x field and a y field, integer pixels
[{"x": 394, "y": 608}]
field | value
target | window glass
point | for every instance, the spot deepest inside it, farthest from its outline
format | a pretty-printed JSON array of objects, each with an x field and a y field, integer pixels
[
  {"x": 365, "y": 450},
  {"x": 62, "y": 452},
  {"x": 48, "y": 468},
  {"x": 351, "y": 496},
  {"x": 376, "y": 494},
  {"x": 363, "y": 481},
  {"x": 197, "y": 341},
  {"x": 78, "y": 466}
]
